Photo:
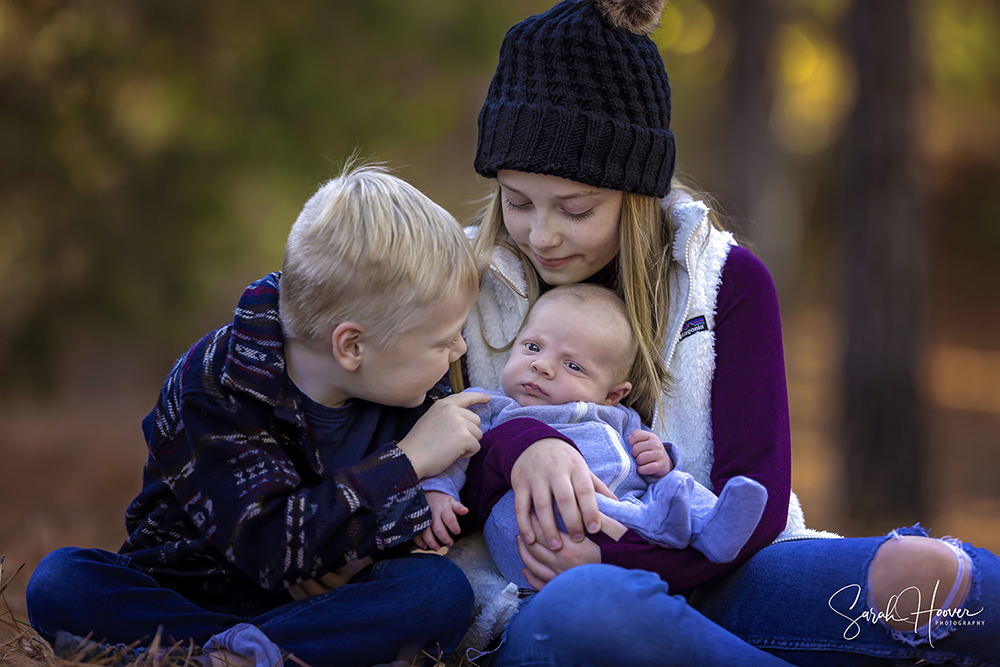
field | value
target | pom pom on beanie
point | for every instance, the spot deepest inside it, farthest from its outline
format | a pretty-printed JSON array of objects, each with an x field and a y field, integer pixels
[{"x": 580, "y": 92}]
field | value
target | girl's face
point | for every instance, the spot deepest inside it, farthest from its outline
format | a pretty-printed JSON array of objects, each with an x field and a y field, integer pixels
[{"x": 568, "y": 230}]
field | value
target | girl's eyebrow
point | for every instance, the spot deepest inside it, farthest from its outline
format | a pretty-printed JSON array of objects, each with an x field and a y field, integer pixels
[{"x": 572, "y": 195}]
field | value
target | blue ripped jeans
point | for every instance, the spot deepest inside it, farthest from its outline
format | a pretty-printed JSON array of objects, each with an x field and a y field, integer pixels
[
  {"x": 390, "y": 609},
  {"x": 776, "y": 609}
]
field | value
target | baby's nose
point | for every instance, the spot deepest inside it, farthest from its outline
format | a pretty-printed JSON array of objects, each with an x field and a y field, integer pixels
[{"x": 540, "y": 366}]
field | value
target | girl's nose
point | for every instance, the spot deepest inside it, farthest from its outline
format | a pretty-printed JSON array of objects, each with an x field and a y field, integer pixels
[{"x": 543, "y": 234}]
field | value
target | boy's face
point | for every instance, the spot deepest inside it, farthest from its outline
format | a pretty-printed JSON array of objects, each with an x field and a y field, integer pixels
[
  {"x": 402, "y": 372},
  {"x": 563, "y": 354}
]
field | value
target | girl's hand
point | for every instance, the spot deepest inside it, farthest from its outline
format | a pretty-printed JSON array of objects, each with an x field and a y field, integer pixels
[
  {"x": 649, "y": 453},
  {"x": 551, "y": 469},
  {"x": 542, "y": 564}
]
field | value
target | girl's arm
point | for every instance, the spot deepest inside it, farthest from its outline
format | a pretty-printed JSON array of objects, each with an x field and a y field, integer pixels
[{"x": 749, "y": 423}]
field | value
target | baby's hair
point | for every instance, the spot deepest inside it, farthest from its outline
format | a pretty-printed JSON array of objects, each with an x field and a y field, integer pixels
[{"x": 370, "y": 248}]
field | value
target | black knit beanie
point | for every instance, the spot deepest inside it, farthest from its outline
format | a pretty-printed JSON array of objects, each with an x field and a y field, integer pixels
[{"x": 580, "y": 92}]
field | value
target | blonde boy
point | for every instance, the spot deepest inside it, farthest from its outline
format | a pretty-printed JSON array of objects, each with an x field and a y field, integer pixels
[{"x": 286, "y": 450}]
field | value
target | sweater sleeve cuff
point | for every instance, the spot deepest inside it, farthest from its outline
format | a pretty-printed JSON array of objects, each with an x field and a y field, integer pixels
[{"x": 387, "y": 485}]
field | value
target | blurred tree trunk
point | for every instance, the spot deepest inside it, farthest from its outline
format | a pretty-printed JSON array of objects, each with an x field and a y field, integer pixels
[
  {"x": 885, "y": 272},
  {"x": 761, "y": 196}
]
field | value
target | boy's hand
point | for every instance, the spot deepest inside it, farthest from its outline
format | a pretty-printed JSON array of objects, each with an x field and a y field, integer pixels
[
  {"x": 444, "y": 509},
  {"x": 330, "y": 580},
  {"x": 649, "y": 453},
  {"x": 445, "y": 434}
]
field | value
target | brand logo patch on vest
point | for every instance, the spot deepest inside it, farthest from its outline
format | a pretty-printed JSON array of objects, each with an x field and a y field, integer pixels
[{"x": 693, "y": 326}]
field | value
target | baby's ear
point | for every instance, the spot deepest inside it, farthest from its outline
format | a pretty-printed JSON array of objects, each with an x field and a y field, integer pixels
[
  {"x": 617, "y": 393},
  {"x": 348, "y": 347}
]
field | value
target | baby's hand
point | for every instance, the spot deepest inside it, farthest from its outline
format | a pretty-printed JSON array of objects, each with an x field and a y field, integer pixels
[
  {"x": 443, "y": 511},
  {"x": 649, "y": 453}
]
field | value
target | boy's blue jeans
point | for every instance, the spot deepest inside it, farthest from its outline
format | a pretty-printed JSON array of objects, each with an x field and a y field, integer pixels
[
  {"x": 774, "y": 610},
  {"x": 389, "y": 610}
]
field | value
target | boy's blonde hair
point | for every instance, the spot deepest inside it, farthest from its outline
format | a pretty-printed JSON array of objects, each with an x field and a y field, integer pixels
[
  {"x": 645, "y": 238},
  {"x": 370, "y": 248},
  {"x": 614, "y": 318}
]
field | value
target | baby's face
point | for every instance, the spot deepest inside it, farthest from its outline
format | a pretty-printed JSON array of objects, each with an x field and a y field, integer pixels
[{"x": 563, "y": 354}]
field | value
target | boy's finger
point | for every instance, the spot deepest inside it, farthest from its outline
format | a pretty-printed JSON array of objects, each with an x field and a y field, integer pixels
[
  {"x": 647, "y": 469},
  {"x": 471, "y": 449},
  {"x": 459, "y": 508},
  {"x": 313, "y": 587},
  {"x": 419, "y": 541},
  {"x": 466, "y": 398}
]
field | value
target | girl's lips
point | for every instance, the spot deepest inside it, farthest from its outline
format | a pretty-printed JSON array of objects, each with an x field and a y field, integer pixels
[{"x": 552, "y": 263}]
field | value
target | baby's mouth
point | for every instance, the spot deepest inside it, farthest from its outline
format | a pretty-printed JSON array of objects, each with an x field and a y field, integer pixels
[{"x": 532, "y": 389}]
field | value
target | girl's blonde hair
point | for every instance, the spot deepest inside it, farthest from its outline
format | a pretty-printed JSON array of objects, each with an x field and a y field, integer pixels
[
  {"x": 369, "y": 247},
  {"x": 645, "y": 259}
]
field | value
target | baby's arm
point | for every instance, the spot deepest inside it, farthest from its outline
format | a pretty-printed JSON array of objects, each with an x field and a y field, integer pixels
[{"x": 650, "y": 453}]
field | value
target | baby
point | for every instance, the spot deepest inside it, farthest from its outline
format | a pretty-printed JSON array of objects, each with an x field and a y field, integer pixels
[{"x": 568, "y": 368}]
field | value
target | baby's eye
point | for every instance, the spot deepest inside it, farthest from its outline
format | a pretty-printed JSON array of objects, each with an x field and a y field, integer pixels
[
  {"x": 573, "y": 367},
  {"x": 532, "y": 347}
]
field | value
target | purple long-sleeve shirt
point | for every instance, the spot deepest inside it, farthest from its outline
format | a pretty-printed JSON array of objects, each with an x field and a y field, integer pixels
[{"x": 749, "y": 424}]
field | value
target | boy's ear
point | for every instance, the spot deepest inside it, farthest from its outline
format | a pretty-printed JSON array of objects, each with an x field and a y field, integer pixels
[
  {"x": 617, "y": 393},
  {"x": 347, "y": 345}
]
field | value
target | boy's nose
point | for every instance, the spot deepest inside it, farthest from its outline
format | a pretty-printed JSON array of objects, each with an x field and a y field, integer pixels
[{"x": 458, "y": 349}]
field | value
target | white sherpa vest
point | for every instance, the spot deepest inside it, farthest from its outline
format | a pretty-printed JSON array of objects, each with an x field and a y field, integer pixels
[{"x": 700, "y": 251}]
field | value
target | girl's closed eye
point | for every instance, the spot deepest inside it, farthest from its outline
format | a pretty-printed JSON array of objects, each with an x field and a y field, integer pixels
[
  {"x": 517, "y": 207},
  {"x": 579, "y": 216}
]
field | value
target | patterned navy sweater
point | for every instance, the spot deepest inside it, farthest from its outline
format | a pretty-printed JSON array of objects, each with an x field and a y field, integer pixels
[{"x": 236, "y": 503}]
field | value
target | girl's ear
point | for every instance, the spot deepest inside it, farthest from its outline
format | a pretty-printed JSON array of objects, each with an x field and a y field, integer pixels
[
  {"x": 617, "y": 393},
  {"x": 347, "y": 345}
]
